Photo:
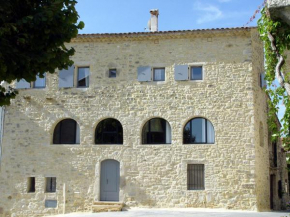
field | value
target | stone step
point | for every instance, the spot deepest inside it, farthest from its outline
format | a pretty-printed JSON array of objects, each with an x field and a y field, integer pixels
[{"x": 100, "y": 206}]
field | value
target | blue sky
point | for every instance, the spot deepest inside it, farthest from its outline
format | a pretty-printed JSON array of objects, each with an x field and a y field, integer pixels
[{"x": 115, "y": 16}]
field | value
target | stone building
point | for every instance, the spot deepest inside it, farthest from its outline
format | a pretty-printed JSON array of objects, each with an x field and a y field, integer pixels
[{"x": 149, "y": 119}]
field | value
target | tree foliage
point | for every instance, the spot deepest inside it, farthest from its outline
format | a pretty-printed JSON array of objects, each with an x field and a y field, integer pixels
[
  {"x": 276, "y": 37},
  {"x": 32, "y": 37}
]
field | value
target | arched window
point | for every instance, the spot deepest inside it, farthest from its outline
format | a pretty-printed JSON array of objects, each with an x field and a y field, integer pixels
[
  {"x": 66, "y": 131},
  {"x": 198, "y": 130},
  {"x": 156, "y": 131},
  {"x": 109, "y": 131}
]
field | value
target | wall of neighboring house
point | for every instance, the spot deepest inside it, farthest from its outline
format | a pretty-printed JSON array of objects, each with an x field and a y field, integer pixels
[
  {"x": 260, "y": 141},
  {"x": 264, "y": 165},
  {"x": 151, "y": 175}
]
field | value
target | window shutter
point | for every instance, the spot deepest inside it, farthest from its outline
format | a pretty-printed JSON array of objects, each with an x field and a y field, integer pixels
[
  {"x": 262, "y": 80},
  {"x": 66, "y": 77},
  {"x": 144, "y": 73},
  {"x": 22, "y": 84},
  {"x": 181, "y": 72}
]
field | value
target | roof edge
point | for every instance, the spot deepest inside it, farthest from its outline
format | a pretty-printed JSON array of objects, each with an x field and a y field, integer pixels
[{"x": 158, "y": 34}]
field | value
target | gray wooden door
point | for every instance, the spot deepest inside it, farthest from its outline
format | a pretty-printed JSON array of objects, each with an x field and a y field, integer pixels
[{"x": 110, "y": 180}]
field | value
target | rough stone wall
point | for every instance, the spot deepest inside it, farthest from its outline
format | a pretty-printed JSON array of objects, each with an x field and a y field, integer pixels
[
  {"x": 151, "y": 175},
  {"x": 260, "y": 141}
]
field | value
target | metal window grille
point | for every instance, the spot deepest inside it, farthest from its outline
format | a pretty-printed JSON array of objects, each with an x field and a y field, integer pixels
[
  {"x": 51, "y": 184},
  {"x": 195, "y": 177}
]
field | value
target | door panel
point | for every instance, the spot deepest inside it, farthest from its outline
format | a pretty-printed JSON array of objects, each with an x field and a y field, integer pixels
[{"x": 110, "y": 179}]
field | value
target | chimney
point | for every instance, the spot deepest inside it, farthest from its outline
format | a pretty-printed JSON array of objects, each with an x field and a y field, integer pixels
[{"x": 153, "y": 22}]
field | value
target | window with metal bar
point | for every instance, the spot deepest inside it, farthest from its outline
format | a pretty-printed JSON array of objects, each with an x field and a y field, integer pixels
[
  {"x": 195, "y": 177},
  {"x": 109, "y": 131},
  {"x": 50, "y": 184},
  {"x": 198, "y": 130}
]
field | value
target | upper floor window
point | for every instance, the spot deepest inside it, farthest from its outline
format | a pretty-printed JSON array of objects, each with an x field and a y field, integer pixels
[
  {"x": 158, "y": 74},
  {"x": 147, "y": 73},
  {"x": 112, "y": 73},
  {"x": 186, "y": 72},
  {"x": 109, "y": 131},
  {"x": 196, "y": 73},
  {"x": 66, "y": 131},
  {"x": 198, "y": 130},
  {"x": 83, "y": 76},
  {"x": 156, "y": 131},
  {"x": 38, "y": 83},
  {"x": 262, "y": 80},
  {"x": 66, "y": 77}
]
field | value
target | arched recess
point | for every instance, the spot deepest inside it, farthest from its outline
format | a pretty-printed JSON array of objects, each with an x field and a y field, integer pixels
[
  {"x": 198, "y": 131},
  {"x": 109, "y": 131},
  {"x": 156, "y": 131},
  {"x": 66, "y": 131}
]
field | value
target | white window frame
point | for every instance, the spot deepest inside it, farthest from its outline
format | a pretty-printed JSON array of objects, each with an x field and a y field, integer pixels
[
  {"x": 152, "y": 74},
  {"x": 76, "y": 76},
  {"x": 32, "y": 84},
  {"x": 198, "y": 64}
]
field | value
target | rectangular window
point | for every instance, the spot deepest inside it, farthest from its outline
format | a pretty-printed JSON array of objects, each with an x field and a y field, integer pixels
[
  {"x": 50, "y": 184},
  {"x": 40, "y": 82},
  {"x": 159, "y": 74},
  {"x": 66, "y": 77},
  {"x": 112, "y": 73},
  {"x": 83, "y": 76},
  {"x": 196, "y": 73},
  {"x": 263, "y": 82},
  {"x": 195, "y": 177},
  {"x": 31, "y": 185}
]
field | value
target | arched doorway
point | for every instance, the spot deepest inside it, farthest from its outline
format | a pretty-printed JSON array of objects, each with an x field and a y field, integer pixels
[{"x": 110, "y": 180}]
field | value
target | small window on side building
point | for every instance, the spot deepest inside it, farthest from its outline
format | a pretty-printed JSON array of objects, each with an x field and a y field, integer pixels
[
  {"x": 31, "y": 185},
  {"x": 83, "y": 76},
  {"x": 112, "y": 73},
  {"x": 195, "y": 177},
  {"x": 196, "y": 73},
  {"x": 159, "y": 74},
  {"x": 50, "y": 184}
]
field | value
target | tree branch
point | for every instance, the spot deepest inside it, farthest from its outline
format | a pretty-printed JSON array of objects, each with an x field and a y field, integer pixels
[{"x": 278, "y": 73}]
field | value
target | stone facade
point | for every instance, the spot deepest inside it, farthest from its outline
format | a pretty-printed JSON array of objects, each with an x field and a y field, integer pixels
[{"x": 236, "y": 165}]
